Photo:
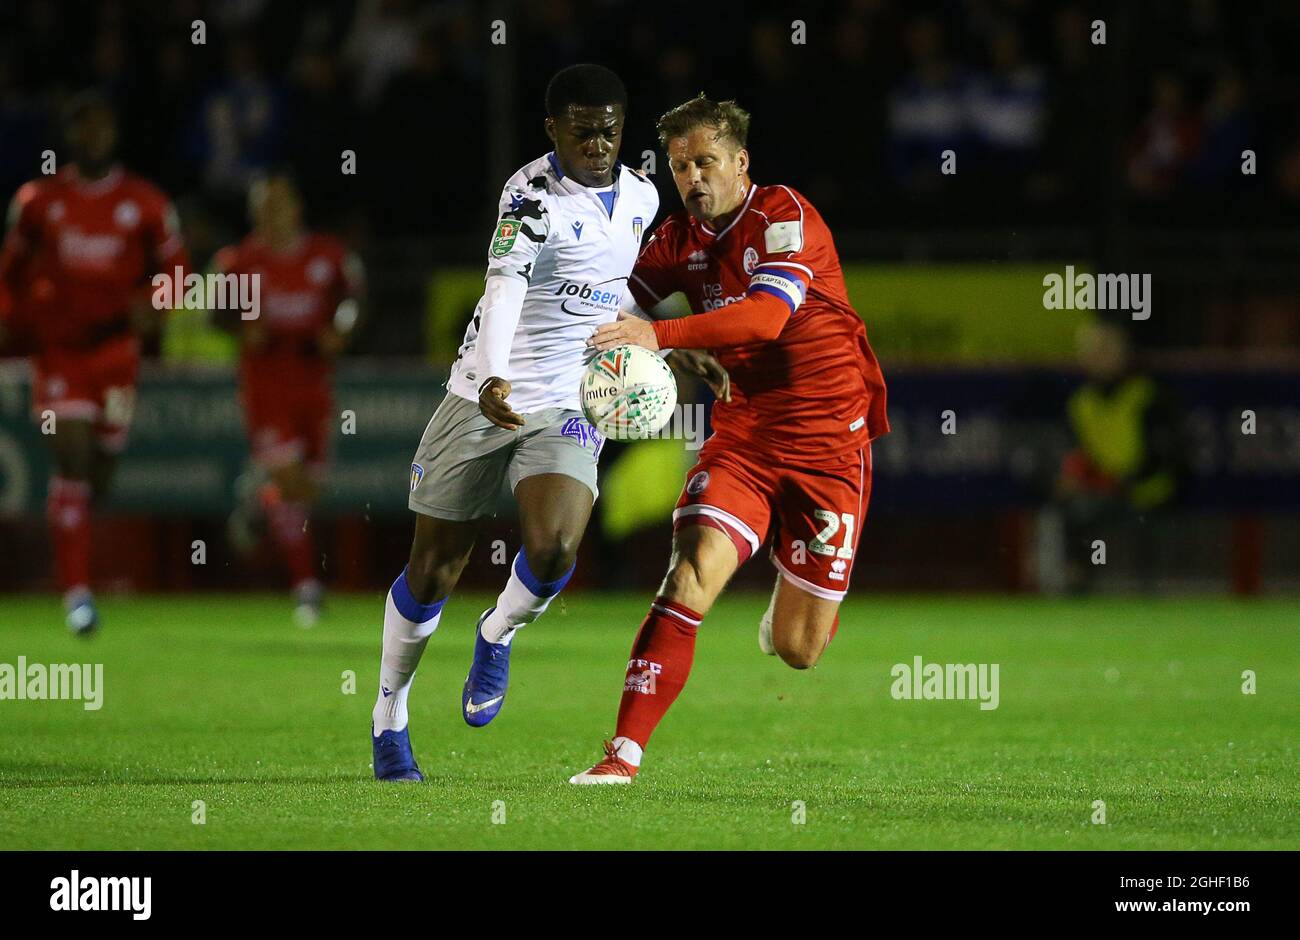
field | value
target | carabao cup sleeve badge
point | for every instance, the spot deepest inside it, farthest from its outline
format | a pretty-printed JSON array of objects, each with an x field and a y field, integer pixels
[{"x": 504, "y": 238}]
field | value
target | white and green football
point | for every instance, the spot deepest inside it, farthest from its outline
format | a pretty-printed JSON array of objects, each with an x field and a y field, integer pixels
[{"x": 628, "y": 393}]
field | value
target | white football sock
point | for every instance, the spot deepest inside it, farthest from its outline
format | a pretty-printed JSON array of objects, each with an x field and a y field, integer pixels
[
  {"x": 522, "y": 601},
  {"x": 407, "y": 628},
  {"x": 628, "y": 750}
]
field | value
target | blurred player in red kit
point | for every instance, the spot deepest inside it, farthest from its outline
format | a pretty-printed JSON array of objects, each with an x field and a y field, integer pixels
[
  {"x": 791, "y": 450},
  {"x": 81, "y": 249},
  {"x": 309, "y": 290}
]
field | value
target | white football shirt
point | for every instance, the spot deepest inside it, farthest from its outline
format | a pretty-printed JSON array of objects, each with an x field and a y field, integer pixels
[{"x": 575, "y": 255}]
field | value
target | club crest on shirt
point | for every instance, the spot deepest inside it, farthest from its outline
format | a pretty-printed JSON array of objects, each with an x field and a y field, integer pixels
[
  {"x": 698, "y": 483},
  {"x": 319, "y": 271},
  {"x": 127, "y": 214},
  {"x": 751, "y": 260},
  {"x": 636, "y": 228},
  {"x": 417, "y": 474}
]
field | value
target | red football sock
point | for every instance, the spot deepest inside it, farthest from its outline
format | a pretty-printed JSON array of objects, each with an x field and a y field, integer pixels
[
  {"x": 289, "y": 528},
  {"x": 661, "y": 661},
  {"x": 67, "y": 508},
  {"x": 835, "y": 628}
]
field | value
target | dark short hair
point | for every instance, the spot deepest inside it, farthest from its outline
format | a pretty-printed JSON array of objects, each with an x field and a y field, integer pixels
[
  {"x": 729, "y": 118},
  {"x": 583, "y": 85}
]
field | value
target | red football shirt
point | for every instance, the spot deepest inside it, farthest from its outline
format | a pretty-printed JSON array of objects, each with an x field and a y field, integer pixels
[
  {"x": 815, "y": 390},
  {"x": 78, "y": 252},
  {"x": 300, "y": 288}
]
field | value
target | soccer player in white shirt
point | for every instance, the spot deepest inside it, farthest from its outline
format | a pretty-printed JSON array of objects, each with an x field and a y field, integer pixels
[{"x": 568, "y": 233}]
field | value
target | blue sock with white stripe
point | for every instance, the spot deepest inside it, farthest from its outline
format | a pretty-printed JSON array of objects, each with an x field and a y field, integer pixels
[
  {"x": 522, "y": 601},
  {"x": 408, "y": 624}
]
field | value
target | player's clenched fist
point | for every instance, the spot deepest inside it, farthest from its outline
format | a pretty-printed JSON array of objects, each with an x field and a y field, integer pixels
[
  {"x": 627, "y": 330},
  {"x": 492, "y": 396}
]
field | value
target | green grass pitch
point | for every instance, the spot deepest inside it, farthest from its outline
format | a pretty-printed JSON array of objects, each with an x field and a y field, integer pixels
[{"x": 1135, "y": 702}]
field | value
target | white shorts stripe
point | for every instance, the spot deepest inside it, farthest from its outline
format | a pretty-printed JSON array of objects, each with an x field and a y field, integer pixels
[
  {"x": 813, "y": 589},
  {"x": 713, "y": 512},
  {"x": 74, "y": 409}
]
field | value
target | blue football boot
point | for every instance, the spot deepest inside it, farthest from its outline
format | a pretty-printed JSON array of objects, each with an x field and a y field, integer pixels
[
  {"x": 489, "y": 674},
  {"x": 393, "y": 758}
]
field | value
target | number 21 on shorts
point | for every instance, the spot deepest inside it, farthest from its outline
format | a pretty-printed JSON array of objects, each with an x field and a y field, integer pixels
[{"x": 821, "y": 545}]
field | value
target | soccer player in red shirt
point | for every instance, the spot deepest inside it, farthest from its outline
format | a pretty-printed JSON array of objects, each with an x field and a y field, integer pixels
[
  {"x": 78, "y": 258},
  {"x": 791, "y": 450},
  {"x": 310, "y": 293}
]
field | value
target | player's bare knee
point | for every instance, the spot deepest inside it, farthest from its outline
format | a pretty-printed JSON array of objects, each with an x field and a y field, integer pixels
[
  {"x": 801, "y": 657},
  {"x": 799, "y": 647},
  {"x": 430, "y": 574},
  {"x": 688, "y": 582},
  {"x": 551, "y": 555}
]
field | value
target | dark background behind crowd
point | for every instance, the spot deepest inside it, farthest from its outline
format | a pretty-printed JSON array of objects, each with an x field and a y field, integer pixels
[{"x": 1127, "y": 151}]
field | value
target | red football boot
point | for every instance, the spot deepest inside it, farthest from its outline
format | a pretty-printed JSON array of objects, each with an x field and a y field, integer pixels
[{"x": 613, "y": 769}]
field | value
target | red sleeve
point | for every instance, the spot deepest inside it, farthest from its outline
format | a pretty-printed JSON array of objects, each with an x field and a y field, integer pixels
[
  {"x": 758, "y": 318},
  {"x": 351, "y": 274},
  {"x": 788, "y": 249},
  {"x": 654, "y": 277},
  {"x": 21, "y": 235},
  {"x": 165, "y": 234}
]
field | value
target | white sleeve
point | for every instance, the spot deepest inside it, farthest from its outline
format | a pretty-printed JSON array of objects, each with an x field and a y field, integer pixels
[
  {"x": 523, "y": 226},
  {"x": 503, "y": 300}
]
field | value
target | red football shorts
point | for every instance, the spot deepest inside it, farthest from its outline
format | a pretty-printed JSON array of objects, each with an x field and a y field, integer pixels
[
  {"x": 287, "y": 421},
  {"x": 95, "y": 385},
  {"x": 814, "y": 514}
]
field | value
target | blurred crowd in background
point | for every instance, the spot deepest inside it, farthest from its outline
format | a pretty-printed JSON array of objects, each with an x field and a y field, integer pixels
[
  {"x": 1107, "y": 135},
  {"x": 1051, "y": 129}
]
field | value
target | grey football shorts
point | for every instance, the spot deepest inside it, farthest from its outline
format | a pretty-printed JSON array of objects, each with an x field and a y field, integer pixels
[{"x": 463, "y": 458}]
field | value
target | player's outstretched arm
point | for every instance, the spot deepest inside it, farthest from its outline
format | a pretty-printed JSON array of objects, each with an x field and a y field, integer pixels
[
  {"x": 503, "y": 301},
  {"x": 523, "y": 227},
  {"x": 351, "y": 310},
  {"x": 757, "y": 318}
]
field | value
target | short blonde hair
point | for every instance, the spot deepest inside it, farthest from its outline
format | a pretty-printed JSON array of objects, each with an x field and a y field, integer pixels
[{"x": 730, "y": 119}]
